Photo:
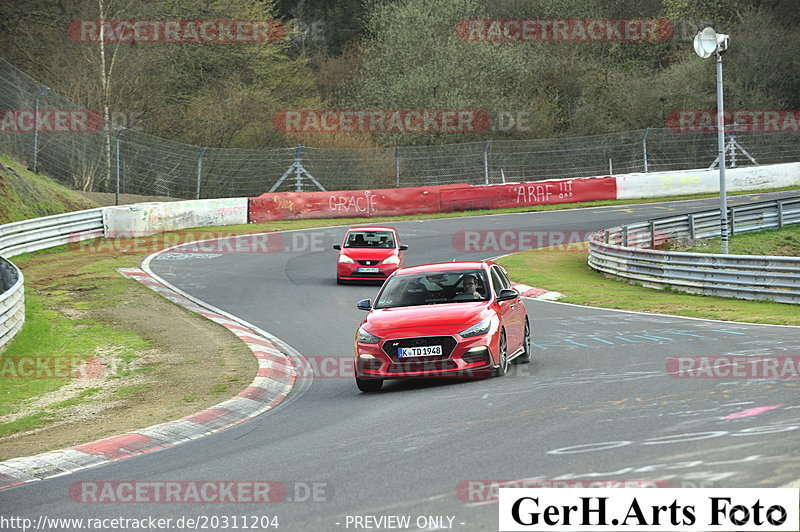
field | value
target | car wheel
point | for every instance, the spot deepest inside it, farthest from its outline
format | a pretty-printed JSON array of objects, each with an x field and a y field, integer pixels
[
  {"x": 369, "y": 385},
  {"x": 525, "y": 357},
  {"x": 502, "y": 366}
]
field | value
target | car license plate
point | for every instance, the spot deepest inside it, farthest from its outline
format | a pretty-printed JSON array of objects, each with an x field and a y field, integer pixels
[
  {"x": 368, "y": 270},
  {"x": 426, "y": 351}
]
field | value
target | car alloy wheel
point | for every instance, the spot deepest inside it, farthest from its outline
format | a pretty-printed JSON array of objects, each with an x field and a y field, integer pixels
[{"x": 525, "y": 357}]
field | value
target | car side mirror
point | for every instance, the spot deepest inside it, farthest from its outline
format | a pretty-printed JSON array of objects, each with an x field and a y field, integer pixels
[
  {"x": 403, "y": 247},
  {"x": 506, "y": 294},
  {"x": 364, "y": 304},
  {"x": 337, "y": 246}
]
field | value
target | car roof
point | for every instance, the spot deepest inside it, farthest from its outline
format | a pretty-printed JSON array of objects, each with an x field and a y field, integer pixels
[
  {"x": 444, "y": 266},
  {"x": 371, "y": 228}
]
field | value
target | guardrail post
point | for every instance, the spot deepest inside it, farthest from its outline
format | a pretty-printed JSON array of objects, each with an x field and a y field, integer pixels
[
  {"x": 36, "y": 127},
  {"x": 652, "y": 234},
  {"x": 690, "y": 219},
  {"x": 605, "y": 236},
  {"x": 116, "y": 165},
  {"x": 780, "y": 214},
  {"x": 732, "y": 219},
  {"x": 486, "y": 147},
  {"x": 199, "y": 173},
  {"x": 624, "y": 236}
]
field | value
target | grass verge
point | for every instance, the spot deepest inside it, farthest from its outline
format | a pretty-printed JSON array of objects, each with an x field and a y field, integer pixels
[
  {"x": 78, "y": 307},
  {"x": 777, "y": 242},
  {"x": 566, "y": 271}
]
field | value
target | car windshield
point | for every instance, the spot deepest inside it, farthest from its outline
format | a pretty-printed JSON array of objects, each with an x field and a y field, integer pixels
[
  {"x": 432, "y": 288},
  {"x": 369, "y": 239}
]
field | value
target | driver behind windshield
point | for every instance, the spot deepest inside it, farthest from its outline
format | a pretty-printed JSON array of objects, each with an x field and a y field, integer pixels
[{"x": 470, "y": 286}]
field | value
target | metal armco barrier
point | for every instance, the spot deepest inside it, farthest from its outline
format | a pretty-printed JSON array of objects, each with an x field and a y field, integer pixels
[
  {"x": 33, "y": 235},
  {"x": 12, "y": 301},
  {"x": 50, "y": 231},
  {"x": 628, "y": 252}
]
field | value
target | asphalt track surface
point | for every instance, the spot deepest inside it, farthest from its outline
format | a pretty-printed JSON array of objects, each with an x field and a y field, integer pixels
[{"x": 595, "y": 404}]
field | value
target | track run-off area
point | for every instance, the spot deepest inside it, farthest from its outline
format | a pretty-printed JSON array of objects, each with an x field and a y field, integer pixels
[{"x": 596, "y": 403}]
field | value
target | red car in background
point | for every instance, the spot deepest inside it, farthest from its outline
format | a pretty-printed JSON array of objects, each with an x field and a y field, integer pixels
[
  {"x": 455, "y": 319},
  {"x": 369, "y": 254}
]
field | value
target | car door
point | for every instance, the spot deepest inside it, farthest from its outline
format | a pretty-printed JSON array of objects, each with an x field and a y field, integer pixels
[
  {"x": 507, "y": 310},
  {"x": 520, "y": 311}
]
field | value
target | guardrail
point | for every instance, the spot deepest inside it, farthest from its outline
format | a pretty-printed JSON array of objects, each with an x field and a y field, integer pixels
[
  {"x": 33, "y": 235},
  {"x": 12, "y": 301},
  {"x": 629, "y": 252}
]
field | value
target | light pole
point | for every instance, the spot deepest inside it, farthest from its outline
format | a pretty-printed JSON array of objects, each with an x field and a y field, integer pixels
[{"x": 707, "y": 43}]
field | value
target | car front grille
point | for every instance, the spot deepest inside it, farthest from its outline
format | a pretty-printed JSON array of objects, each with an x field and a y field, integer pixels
[{"x": 422, "y": 366}]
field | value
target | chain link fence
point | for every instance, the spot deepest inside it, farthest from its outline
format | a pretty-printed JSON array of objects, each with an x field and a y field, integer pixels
[{"x": 117, "y": 159}]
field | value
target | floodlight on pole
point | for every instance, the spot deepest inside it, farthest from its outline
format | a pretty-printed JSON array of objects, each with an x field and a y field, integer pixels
[{"x": 707, "y": 43}]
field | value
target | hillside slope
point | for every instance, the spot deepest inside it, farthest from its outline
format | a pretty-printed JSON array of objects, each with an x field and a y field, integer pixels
[{"x": 25, "y": 195}]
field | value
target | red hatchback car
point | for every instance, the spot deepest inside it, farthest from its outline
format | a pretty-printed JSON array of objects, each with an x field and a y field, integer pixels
[
  {"x": 369, "y": 254},
  {"x": 454, "y": 319}
]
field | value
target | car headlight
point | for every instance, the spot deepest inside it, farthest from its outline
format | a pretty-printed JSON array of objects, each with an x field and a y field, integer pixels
[
  {"x": 344, "y": 259},
  {"x": 365, "y": 337},
  {"x": 394, "y": 259},
  {"x": 482, "y": 327}
]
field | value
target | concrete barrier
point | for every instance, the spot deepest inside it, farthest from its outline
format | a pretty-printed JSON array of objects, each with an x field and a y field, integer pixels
[
  {"x": 347, "y": 203},
  {"x": 547, "y": 192},
  {"x": 659, "y": 184},
  {"x": 150, "y": 218}
]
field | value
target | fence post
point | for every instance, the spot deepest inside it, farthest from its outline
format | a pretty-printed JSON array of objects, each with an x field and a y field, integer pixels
[
  {"x": 690, "y": 219},
  {"x": 199, "y": 172},
  {"x": 298, "y": 169},
  {"x": 36, "y": 127},
  {"x": 116, "y": 164},
  {"x": 486, "y": 147},
  {"x": 652, "y": 234},
  {"x": 624, "y": 236},
  {"x": 780, "y": 214},
  {"x": 397, "y": 166},
  {"x": 644, "y": 148}
]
